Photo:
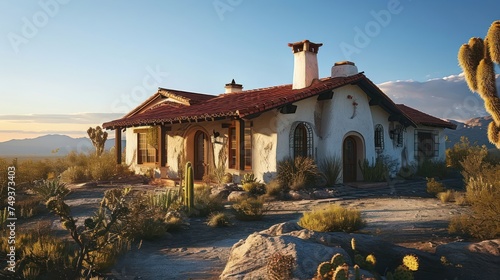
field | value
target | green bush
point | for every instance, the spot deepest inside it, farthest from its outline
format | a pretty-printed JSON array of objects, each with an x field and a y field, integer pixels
[
  {"x": 219, "y": 219},
  {"x": 456, "y": 154},
  {"x": 204, "y": 203},
  {"x": 434, "y": 187},
  {"x": 250, "y": 209},
  {"x": 332, "y": 218},
  {"x": 254, "y": 188},
  {"x": 297, "y": 173},
  {"x": 331, "y": 168},
  {"x": 274, "y": 188},
  {"x": 432, "y": 168},
  {"x": 378, "y": 171}
]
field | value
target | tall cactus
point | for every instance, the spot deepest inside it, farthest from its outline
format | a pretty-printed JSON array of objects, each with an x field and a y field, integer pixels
[
  {"x": 98, "y": 138},
  {"x": 477, "y": 59},
  {"x": 189, "y": 186}
]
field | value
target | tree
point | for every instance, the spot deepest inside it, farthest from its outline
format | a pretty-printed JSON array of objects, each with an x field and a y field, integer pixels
[
  {"x": 98, "y": 138},
  {"x": 477, "y": 59}
]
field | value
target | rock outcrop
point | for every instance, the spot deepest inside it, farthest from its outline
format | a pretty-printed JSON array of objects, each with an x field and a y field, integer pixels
[{"x": 248, "y": 258}]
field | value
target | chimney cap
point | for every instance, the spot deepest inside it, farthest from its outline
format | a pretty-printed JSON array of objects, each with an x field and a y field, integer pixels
[
  {"x": 305, "y": 45},
  {"x": 345, "y": 62},
  {"x": 234, "y": 84}
]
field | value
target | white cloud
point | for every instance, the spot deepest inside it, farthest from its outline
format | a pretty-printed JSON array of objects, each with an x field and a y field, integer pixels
[{"x": 447, "y": 97}]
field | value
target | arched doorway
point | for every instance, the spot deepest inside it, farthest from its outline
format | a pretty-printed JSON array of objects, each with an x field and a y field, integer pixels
[
  {"x": 349, "y": 159},
  {"x": 200, "y": 155}
]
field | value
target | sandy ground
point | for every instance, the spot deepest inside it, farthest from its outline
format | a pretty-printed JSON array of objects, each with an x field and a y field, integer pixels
[
  {"x": 412, "y": 222},
  {"x": 201, "y": 252}
]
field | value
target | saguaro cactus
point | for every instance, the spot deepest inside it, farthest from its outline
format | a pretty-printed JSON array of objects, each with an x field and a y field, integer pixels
[
  {"x": 477, "y": 59},
  {"x": 98, "y": 138},
  {"x": 189, "y": 186}
]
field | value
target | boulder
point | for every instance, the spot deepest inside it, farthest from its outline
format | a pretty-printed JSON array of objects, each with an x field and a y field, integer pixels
[
  {"x": 321, "y": 194},
  {"x": 299, "y": 195},
  {"x": 462, "y": 260},
  {"x": 220, "y": 192},
  {"x": 465, "y": 260},
  {"x": 237, "y": 195}
]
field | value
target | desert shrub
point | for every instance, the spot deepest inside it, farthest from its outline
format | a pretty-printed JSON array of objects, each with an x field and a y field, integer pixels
[
  {"x": 473, "y": 163},
  {"x": 42, "y": 255},
  {"x": 254, "y": 188},
  {"x": 459, "y": 152},
  {"x": 280, "y": 267},
  {"x": 460, "y": 198},
  {"x": 297, "y": 173},
  {"x": 204, "y": 203},
  {"x": 446, "y": 196},
  {"x": 378, "y": 171},
  {"x": 148, "y": 217},
  {"x": 434, "y": 187},
  {"x": 227, "y": 178},
  {"x": 432, "y": 168},
  {"x": 209, "y": 179},
  {"x": 331, "y": 168},
  {"x": 28, "y": 206},
  {"x": 332, "y": 218},
  {"x": 250, "y": 209},
  {"x": 219, "y": 219},
  {"x": 248, "y": 178},
  {"x": 74, "y": 174},
  {"x": 483, "y": 194},
  {"x": 103, "y": 167},
  {"x": 274, "y": 188}
]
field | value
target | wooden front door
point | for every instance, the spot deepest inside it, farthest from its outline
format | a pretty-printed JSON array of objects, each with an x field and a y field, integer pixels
[
  {"x": 349, "y": 159},
  {"x": 200, "y": 158}
]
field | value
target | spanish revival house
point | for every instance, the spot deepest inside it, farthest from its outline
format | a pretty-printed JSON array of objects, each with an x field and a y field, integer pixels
[{"x": 344, "y": 115}]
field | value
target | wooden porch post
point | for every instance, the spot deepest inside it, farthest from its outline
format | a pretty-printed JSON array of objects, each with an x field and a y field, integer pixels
[
  {"x": 241, "y": 134},
  {"x": 162, "y": 146},
  {"x": 118, "y": 145}
]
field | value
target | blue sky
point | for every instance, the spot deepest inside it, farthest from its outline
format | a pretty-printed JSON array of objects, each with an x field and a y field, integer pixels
[{"x": 69, "y": 64}]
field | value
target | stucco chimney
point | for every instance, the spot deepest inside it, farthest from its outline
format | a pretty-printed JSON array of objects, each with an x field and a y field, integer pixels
[
  {"x": 233, "y": 87},
  {"x": 305, "y": 64},
  {"x": 344, "y": 69}
]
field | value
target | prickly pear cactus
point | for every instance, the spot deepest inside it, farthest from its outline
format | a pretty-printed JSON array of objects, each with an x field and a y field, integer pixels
[
  {"x": 337, "y": 260},
  {"x": 477, "y": 59},
  {"x": 324, "y": 269},
  {"x": 402, "y": 273},
  {"x": 341, "y": 273}
]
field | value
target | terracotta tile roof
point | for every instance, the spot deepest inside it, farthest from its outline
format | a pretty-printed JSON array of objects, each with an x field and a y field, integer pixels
[
  {"x": 195, "y": 107},
  {"x": 242, "y": 104},
  {"x": 425, "y": 119}
]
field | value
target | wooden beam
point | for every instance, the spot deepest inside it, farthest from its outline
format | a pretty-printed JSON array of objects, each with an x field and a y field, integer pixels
[
  {"x": 288, "y": 109},
  {"x": 374, "y": 101},
  {"x": 325, "y": 95}
]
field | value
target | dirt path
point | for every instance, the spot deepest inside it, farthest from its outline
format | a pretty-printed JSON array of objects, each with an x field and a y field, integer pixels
[{"x": 202, "y": 252}]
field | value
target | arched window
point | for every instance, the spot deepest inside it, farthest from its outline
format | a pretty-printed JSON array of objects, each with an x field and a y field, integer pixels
[
  {"x": 301, "y": 140},
  {"x": 379, "y": 138}
]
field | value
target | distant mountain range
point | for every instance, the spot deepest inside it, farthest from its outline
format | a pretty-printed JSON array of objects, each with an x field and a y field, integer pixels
[
  {"x": 50, "y": 145},
  {"x": 476, "y": 130},
  {"x": 60, "y": 145}
]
